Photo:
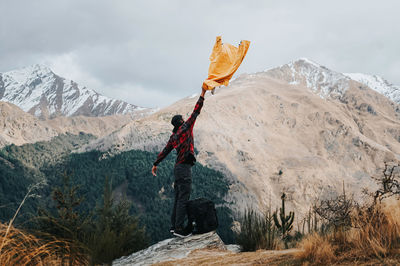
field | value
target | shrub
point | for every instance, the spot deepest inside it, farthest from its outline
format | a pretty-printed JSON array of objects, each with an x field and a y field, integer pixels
[
  {"x": 337, "y": 212},
  {"x": 365, "y": 232},
  {"x": 377, "y": 229},
  {"x": 317, "y": 249},
  {"x": 257, "y": 231}
]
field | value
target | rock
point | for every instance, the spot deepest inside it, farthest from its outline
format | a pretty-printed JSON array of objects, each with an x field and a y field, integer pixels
[
  {"x": 233, "y": 248},
  {"x": 172, "y": 249}
]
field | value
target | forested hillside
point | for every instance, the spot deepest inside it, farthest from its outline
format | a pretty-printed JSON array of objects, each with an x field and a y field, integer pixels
[
  {"x": 21, "y": 167},
  {"x": 129, "y": 172}
]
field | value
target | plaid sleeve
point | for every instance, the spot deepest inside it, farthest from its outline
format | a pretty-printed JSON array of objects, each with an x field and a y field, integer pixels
[
  {"x": 195, "y": 113},
  {"x": 167, "y": 149}
]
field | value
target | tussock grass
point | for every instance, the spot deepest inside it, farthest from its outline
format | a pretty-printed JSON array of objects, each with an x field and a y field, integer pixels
[
  {"x": 21, "y": 248},
  {"x": 317, "y": 249},
  {"x": 377, "y": 230},
  {"x": 375, "y": 234}
]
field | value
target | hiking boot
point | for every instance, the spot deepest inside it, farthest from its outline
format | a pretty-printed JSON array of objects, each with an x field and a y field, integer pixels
[{"x": 181, "y": 233}]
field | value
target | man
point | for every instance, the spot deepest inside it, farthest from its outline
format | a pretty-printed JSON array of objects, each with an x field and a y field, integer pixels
[{"x": 181, "y": 140}]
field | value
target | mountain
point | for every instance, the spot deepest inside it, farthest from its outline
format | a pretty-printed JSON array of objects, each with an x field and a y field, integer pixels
[
  {"x": 300, "y": 128},
  {"x": 39, "y": 91},
  {"x": 321, "y": 80},
  {"x": 18, "y": 127},
  {"x": 378, "y": 84}
]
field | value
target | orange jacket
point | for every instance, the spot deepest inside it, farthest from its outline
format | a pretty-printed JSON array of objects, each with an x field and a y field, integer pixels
[{"x": 225, "y": 60}]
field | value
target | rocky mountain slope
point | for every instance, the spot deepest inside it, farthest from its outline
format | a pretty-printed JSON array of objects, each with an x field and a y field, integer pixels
[
  {"x": 300, "y": 128},
  {"x": 18, "y": 127},
  {"x": 40, "y": 92}
]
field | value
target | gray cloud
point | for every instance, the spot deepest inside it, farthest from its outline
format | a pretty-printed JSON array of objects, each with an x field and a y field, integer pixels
[{"x": 152, "y": 53}]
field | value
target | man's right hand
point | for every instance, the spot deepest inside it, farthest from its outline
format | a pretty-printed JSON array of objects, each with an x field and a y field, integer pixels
[
  {"x": 203, "y": 92},
  {"x": 154, "y": 170}
]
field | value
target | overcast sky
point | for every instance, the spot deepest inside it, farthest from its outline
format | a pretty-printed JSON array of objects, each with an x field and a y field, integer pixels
[{"x": 152, "y": 53}]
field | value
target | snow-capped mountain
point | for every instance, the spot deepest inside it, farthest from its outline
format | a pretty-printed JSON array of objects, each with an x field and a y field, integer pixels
[
  {"x": 378, "y": 84},
  {"x": 39, "y": 91},
  {"x": 319, "y": 79},
  {"x": 326, "y": 82}
]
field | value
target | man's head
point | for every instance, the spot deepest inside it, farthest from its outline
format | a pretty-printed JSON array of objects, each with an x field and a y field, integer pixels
[{"x": 177, "y": 121}]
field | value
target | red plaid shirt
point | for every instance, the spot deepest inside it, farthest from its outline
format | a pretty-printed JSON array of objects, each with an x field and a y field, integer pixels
[{"x": 182, "y": 140}]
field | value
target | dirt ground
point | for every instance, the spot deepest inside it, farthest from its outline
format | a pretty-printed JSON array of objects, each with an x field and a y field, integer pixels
[
  {"x": 261, "y": 257},
  {"x": 218, "y": 257}
]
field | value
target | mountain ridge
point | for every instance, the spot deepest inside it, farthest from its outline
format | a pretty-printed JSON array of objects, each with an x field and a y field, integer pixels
[
  {"x": 19, "y": 127},
  {"x": 378, "y": 84},
  {"x": 39, "y": 91}
]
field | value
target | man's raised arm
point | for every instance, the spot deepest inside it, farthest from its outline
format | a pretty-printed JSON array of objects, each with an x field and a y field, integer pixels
[{"x": 196, "y": 111}]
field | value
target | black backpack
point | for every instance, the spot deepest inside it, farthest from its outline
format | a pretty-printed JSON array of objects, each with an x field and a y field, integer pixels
[{"x": 202, "y": 216}]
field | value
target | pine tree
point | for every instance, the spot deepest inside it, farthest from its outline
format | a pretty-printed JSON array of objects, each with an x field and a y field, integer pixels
[
  {"x": 66, "y": 223},
  {"x": 117, "y": 232}
]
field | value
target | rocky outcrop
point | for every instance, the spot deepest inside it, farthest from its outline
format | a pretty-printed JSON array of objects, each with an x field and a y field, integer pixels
[{"x": 172, "y": 249}]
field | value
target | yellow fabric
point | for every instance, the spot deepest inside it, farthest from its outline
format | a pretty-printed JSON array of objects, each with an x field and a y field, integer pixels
[{"x": 225, "y": 60}]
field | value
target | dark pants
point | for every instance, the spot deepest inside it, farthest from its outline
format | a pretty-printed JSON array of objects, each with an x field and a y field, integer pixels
[{"x": 182, "y": 187}]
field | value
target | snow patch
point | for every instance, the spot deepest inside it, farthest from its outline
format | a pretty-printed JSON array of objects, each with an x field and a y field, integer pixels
[
  {"x": 378, "y": 84},
  {"x": 308, "y": 61},
  {"x": 320, "y": 80}
]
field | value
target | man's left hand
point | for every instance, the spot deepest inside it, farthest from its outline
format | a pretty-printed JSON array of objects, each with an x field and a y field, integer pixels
[{"x": 154, "y": 170}]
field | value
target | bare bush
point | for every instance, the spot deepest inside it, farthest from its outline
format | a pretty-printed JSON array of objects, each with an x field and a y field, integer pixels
[
  {"x": 389, "y": 182},
  {"x": 337, "y": 211}
]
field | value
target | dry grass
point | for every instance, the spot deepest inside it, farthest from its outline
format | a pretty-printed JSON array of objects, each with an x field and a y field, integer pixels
[
  {"x": 20, "y": 248},
  {"x": 317, "y": 249},
  {"x": 377, "y": 232},
  {"x": 375, "y": 235}
]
